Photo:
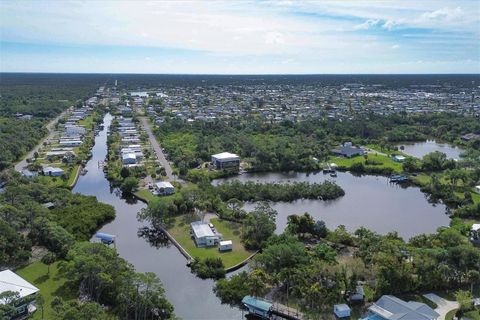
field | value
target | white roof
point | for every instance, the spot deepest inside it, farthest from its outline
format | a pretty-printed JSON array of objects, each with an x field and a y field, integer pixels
[
  {"x": 476, "y": 227},
  {"x": 163, "y": 184},
  {"x": 226, "y": 243},
  {"x": 225, "y": 155},
  {"x": 129, "y": 156},
  {"x": 202, "y": 229},
  {"x": 52, "y": 169},
  {"x": 10, "y": 281}
]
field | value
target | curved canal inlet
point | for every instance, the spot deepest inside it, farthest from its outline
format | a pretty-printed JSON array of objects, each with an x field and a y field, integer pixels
[{"x": 192, "y": 297}]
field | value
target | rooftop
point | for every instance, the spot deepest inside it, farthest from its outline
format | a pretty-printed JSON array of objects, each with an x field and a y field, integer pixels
[
  {"x": 225, "y": 155},
  {"x": 10, "y": 281},
  {"x": 202, "y": 229}
]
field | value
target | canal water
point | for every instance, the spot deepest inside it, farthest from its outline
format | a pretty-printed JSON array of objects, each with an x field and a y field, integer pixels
[
  {"x": 369, "y": 201},
  {"x": 419, "y": 149},
  {"x": 192, "y": 297}
]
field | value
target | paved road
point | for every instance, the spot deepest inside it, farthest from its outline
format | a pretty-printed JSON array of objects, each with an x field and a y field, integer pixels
[
  {"x": 443, "y": 306},
  {"x": 51, "y": 131},
  {"x": 158, "y": 150}
]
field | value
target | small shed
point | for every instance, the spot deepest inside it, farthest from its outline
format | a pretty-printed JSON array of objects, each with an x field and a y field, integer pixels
[
  {"x": 398, "y": 158},
  {"x": 342, "y": 311},
  {"x": 475, "y": 233},
  {"x": 226, "y": 245},
  {"x": 358, "y": 296}
]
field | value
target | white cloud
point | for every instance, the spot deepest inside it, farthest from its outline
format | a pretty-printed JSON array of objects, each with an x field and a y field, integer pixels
[
  {"x": 389, "y": 24},
  {"x": 367, "y": 24},
  {"x": 446, "y": 13},
  {"x": 395, "y": 46}
]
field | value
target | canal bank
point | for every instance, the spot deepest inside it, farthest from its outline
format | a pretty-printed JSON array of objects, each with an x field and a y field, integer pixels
[{"x": 192, "y": 297}]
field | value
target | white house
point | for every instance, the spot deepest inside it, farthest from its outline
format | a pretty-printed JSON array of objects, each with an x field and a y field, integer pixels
[
  {"x": 129, "y": 158},
  {"x": 10, "y": 281},
  {"x": 164, "y": 188},
  {"x": 477, "y": 189},
  {"x": 53, "y": 171},
  {"x": 225, "y": 160},
  {"x": 203, "y": 235}
]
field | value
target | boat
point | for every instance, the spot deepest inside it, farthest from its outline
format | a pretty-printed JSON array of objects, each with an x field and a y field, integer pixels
[
  {"x": 398, "y": 178},
  {"x": 83, "y": 172},
  {"x": 333, "y": 174}
]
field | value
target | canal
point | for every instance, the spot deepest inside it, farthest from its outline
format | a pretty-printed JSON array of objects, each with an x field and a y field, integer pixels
[
  {"x": 192, "y": 297},
  {"x": 369, "y": 201}
]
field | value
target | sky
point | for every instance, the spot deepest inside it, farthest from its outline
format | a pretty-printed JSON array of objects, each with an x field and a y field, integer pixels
[{"x": 240, "y": 36}]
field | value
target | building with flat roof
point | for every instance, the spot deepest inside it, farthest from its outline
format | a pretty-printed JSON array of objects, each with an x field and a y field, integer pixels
[
  {"x": 203, "y": 235},
  {"x": 163, "y": 188},
  {"x": 226, "y": 160}
]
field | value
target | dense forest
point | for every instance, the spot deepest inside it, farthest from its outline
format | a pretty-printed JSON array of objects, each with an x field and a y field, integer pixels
[{"x": 293, "y": 146}]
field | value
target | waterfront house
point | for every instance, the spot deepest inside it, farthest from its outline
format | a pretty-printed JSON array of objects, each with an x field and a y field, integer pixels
[
  {"x": 164, "y": 188},
  {"x": 392, "y": 308},
  {"x": 348, "y": 150},
  {"x": 342, "y": 311},
  {"x": 53, "y": 171},
  {"x": 10, "y": 281},
  {"x": 226, "y": 160},
  {"x": 203, "y": 235}
]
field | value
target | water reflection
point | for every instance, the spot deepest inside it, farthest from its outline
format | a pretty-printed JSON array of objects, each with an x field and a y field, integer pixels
[
  {"x": 419, "y": 149},
  {"x": 369, "y": 201}
]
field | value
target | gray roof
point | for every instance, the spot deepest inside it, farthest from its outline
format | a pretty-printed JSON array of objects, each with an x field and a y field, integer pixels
[
  {"x": 393, "y": 308},
  {"x": 202, "y": 229}
]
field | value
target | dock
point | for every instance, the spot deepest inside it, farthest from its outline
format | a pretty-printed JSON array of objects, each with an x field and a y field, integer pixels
[{"x": 286, "y": 312}]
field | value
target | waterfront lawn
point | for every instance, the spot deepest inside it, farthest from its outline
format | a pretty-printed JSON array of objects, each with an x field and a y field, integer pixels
[
  {"x": 180, "y": 230},
  {"x": 73, "y": 175},
  {"x": 50, "y": 285},
  {"x": 386, "y": 162},
  {"x": 145, "y": 194}
]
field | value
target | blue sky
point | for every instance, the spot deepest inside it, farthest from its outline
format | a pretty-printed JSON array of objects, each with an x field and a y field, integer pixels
[{"x": 241, "y": 37}]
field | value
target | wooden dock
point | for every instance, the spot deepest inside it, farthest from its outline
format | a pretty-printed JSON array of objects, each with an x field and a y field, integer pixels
[{"x": 285, "y": 312}]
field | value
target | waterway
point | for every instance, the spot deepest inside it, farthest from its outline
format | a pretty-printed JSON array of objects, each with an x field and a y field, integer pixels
[
  {"x": 369, "y": 201},
  {"x": 192, "y": 297},
  {"x": 419, "y": 149}
]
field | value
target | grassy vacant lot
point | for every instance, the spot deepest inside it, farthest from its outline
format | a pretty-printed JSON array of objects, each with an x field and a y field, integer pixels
[
  {"x": 50, "y": 285},
  {"x": 386, "y": 162},
  {"x": 180, "y": 230}
]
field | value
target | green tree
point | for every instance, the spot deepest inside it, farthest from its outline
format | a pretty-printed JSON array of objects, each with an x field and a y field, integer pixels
[
  {"x": 258, "y": 226},
  {"x": 129, "y": 185},
  {"x": 49, "y": 259}
]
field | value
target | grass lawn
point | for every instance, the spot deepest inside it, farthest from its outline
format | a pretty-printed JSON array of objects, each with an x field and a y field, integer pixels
[
  {"x": 49, "y": 285},
  {"x": 386, "y": 162},
  {"x": 145, "y": 194},
  {"x": 180, "y": 230},
  {"x": 73, "y": 175}
]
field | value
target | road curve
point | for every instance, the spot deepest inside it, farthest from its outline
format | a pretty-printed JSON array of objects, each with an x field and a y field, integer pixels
[
  {"x": 51, "y": 130},
  {"x": 158, "y": 150}
]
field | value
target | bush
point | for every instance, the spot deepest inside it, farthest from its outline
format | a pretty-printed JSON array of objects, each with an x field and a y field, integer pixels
[{"x": 208, "y": 268}]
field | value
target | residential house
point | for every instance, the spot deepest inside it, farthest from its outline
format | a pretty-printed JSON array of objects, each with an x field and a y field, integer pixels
[
  {"x": 203, "y": 235},
  {"x": 226, "y": 160},
  {"x": 53, "y": 171},
  {"x": 348, "y": 150},
  {"x": 10, "y": 281},
  {"x": 392, "y": 308},
  {"x": 164, "y": 188}
]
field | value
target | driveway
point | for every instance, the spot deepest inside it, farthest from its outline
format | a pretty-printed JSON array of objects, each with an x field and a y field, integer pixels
[
  {"x": 443, "y": 306},
  {"x": 158, "y": 150}
]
